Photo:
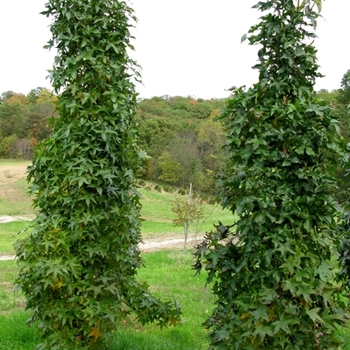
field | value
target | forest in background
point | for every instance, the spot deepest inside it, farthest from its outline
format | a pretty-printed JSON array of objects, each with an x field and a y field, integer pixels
[{"x": 181, "y": 136}]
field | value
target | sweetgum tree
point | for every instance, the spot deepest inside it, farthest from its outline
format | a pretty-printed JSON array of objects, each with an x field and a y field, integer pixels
[
  {"x": 78, "y": 267},
  {"x": 274, "y": 274}
]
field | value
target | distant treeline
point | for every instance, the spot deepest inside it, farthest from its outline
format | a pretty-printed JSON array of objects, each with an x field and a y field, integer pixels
[
  {"x": 24, "y": 121},
  {"x": 181, "y": 135},
  {"x": 183, "y": 139}
]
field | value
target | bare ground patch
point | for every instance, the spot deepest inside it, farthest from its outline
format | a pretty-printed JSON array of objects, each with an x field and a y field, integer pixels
[{"x": 12, "y": 173}]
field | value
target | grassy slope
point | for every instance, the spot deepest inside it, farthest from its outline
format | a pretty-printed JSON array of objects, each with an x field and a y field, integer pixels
[
  {"x": 156, "y": 211},
  {"x": 14, "y": 199},
  {"x": 169, "y": 275},
  {"x": 8, "y": 233}
]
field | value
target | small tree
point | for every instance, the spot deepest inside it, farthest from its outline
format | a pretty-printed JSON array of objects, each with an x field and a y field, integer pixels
[
  {"x": 275, "y": 273},
  {"x": 187, "y": 211},
  {"x": 78, "y": 267}
]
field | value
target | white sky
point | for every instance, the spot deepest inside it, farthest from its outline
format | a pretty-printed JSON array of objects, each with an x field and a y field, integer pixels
[{"x": 185, "y": 47}]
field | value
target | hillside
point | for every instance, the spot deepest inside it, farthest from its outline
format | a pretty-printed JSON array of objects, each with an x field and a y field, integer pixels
[{"x": 156, "y": 204}]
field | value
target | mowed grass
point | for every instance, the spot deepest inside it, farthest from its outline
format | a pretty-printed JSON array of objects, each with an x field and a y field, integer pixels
[
  {"x": 15, "y": 334},
  {"x": 10, "y": 301},
  {"x": 157, "y": 214},
  {"x": 169, "y": 275},
  {"x": 15, "y": 199},
  {"x": 8, "y": 235},
  {"x": 11, "y": 162}
]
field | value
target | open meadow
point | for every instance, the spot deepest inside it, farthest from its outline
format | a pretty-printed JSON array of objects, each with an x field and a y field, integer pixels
[{"x": 167, "y": 271}]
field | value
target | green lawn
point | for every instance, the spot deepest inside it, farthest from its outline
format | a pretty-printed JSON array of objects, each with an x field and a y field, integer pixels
[
  {"x": 10, "y": 302},
  {"x": 6, "y": 162},
  {"x": 169, "y": 275},
  {"x": 157, "y": 213},
  {"x": 8, "y": 232},
  {"x": 14, "y": 197}
]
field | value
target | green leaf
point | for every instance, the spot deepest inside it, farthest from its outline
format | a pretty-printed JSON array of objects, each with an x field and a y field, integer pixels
[
  {"x": 284, "y": 324},
  {"x": 313, "y": 314},
  {"x": 318, "y": 4},
  {"x": 263, "y": 331}
]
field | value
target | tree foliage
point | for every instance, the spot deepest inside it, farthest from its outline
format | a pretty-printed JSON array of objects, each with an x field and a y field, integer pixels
[
  {"x": 171, "y": 136},
  {"x": 274, "y": 274},
  {"x": 344, "y": 112},
  {"x": 344, "y": 92},
  {"x": 184, "y": 146},
  {"x": 24, "y": 121},
  {"x": 187, "y": 211},
  {"x": 78, "y": 267}
]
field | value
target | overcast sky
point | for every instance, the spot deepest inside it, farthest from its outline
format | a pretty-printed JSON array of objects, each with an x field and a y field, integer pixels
[{"x": 185, "y": 47}]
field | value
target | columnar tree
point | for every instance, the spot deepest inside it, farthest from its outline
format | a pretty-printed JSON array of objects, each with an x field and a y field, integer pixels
[
  {"x": 78, "y": 267},
  {"x": 275, "y": 272}
]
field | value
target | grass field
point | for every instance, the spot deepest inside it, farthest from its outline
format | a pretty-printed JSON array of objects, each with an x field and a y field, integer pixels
[
  {"x": 8, "y": 233},
  {"x": 156, "y": 211},
  {"x": 170, "y": 276},
  {"x": 156, "y": 208},
  {"x": 168, "y": 273},
  {"x": 14, "y": 197}
]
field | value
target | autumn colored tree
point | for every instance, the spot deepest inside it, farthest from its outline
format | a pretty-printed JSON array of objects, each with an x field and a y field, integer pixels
[
  {"x": 79, "y": 265},
  {"x": 274, "y": 272}
]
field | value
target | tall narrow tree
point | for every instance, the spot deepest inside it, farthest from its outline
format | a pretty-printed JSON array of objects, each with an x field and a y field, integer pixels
[
  {"x": 78, "y": 267},
  {"x": 275, "y": 273}
]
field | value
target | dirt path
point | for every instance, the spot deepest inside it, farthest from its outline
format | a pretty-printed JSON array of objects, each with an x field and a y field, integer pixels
[
  {"x": 161, "y": 242},
  {"x": 151, "y": 245},
  {"x": 6, "y": 218}
]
